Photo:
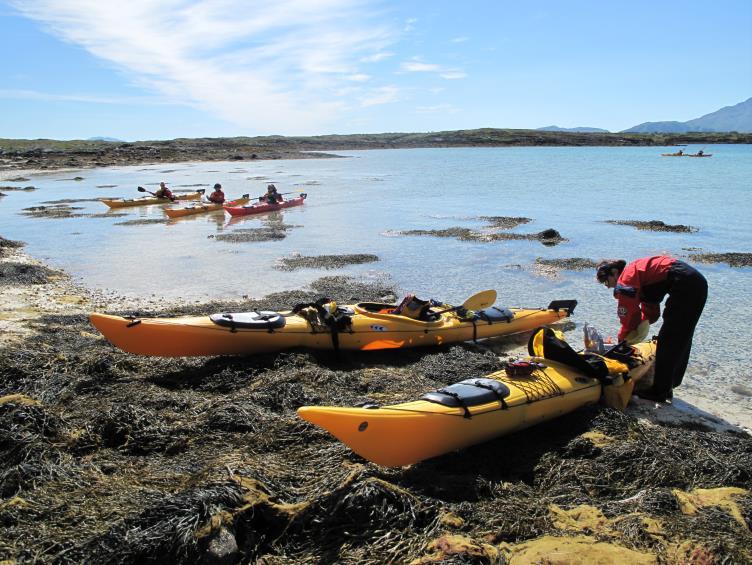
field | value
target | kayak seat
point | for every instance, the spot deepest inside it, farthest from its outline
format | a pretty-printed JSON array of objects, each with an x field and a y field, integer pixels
[
  {"x": 263, "y": 320},
  {"x": 495, "y": 315},
  {"x": 470, "y": 392},
  {"x": 376, "y": 307}
]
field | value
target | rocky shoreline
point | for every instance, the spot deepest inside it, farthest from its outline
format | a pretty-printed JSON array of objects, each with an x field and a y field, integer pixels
[
  {"x": 109, "y": 457},
  {"x": 45, "y": 154}
]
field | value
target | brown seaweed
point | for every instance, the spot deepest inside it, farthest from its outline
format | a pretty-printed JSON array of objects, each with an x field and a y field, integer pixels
[
  {"x": 111, "y": 457},
  {"x": 654, "y": 225},
  {"x": 732, "y": 259},
  {"x": 323, "y": 261}
]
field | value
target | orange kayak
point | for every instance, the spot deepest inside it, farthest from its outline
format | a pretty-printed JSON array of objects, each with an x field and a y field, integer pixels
[
  {"x": 365, "y": 326},
  {"x": 128, "y": 202},
  {"x": 202, "y": 207}
]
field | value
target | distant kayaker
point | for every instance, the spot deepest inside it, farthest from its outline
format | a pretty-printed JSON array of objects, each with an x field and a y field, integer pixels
[
  {"x": 640, "y": 287},
  {"x": 272, "y": 196},
  {"x": 164, "y": 192},
  {"x": 217, "y": 197},
  {"x": 700, "y": 153},
  {"x": 680, "y": 152}
]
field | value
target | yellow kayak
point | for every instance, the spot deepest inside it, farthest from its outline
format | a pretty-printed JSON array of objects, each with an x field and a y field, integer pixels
[
  {"x": 362, "y": 326},
  {"x": 128, "y": 202},
  {"x": 203, "y": 207},
  {"x": 469, "y": 412}
]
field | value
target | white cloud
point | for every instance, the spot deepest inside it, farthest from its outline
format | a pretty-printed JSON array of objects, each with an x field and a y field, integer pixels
[
  {"x": 376, "y": 57},
  {"x": 443, "y": 108},
  {"x": 418, "y": 67},
  {"x": 266, "y": 65},
  {"x": 453, "y": 75},
  {"x": 382, "y": 95},
  {"x": 85, "y": 98},
  {"x": 359, "y": 77},
  {"x": 459, "y": 39}
]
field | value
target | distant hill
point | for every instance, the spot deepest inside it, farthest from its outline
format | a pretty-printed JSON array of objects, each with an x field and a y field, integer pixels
[
  {"x": 104, "y": 139},
  {"x": 576, "y": 130},
  {"x": 730, "y": 118}
]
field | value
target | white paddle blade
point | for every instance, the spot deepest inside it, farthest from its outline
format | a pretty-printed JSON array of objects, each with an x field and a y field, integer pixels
[{"x": 481, "y": 300}]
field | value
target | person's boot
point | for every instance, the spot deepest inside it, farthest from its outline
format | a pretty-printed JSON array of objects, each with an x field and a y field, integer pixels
[{"x": 651, "y": 394}]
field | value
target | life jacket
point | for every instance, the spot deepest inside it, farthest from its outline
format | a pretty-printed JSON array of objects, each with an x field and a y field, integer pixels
[{"x": 217, "y": 198}]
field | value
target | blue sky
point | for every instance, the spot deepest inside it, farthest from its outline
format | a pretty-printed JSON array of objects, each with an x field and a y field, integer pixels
[{"x": 160, "y": 69}]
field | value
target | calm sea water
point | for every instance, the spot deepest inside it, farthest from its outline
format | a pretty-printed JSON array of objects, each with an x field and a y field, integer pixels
[{"x": 357, "y": 204}]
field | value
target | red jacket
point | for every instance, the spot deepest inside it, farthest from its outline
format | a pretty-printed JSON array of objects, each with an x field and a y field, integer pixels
[
  {"x": 640, "y": 289},
  {"x": 218, "y": 197}
]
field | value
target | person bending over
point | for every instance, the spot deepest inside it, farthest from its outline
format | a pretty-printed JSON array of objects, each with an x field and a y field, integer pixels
[{"x": 640, "y": 287}]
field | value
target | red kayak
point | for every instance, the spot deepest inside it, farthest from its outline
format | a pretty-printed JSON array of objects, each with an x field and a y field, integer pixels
[{"x": 260, "y": 207}]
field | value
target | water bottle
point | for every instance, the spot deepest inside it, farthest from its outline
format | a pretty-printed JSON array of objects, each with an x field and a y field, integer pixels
[{"x": 593, "y": 340}]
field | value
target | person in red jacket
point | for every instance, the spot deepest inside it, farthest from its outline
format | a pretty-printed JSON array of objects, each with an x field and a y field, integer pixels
[
  {"x": 640, "y": 287},
  {"x": 217, "y": 197},
  {"x": 164, "y": 192}
]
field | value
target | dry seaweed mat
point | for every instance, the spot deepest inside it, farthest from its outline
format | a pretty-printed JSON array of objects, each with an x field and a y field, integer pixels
[
  {"x": 140, "y": 221},
  {"x": 55, "y": 211},
  {"x": 18, "y": 188},
  {"x": 273, "y": 231},
  {"x": 654, "y": 225},
  {"x": 323, "y": 261},
  {"x": 571, "y": 264},
  {"x": 732, "y": 259},
  {"x": 110, "y": 457},
  {"x": 12, "y": 273},
  {"x": 547, "y": 237},
  {"x": 7, "y": 244},
  {"x": 505, "y": 222}
]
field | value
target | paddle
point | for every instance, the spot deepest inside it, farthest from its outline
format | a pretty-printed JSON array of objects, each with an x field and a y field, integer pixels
[
  {"x": 477, "y": 301},
  {"x": 142, "y": 189}
]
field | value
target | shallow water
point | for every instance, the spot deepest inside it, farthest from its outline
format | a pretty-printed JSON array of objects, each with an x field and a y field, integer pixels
[{"x": 360, "y": 203}]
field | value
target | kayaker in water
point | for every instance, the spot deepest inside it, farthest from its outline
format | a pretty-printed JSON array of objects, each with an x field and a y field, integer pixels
[
  {"x": 640, "y": 287},
  {"x": 700, "y": 153},
  {"x": 680, "y": 152},
  {"x": 217, "y": 197},
  {"x": 272, "y": 196},
  {"x": 164, "y": 192}
]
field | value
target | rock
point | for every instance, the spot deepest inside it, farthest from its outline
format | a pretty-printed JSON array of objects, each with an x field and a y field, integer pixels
[
  {"x": 222, "y": 549},
  {"x": 742, "y": 390}
]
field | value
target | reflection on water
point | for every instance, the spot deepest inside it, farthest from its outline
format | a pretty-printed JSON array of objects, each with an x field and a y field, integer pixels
[{"x": 354, "y": 204}]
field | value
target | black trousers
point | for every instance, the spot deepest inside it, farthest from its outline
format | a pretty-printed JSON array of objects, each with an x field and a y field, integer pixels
[{"x": 687, "y": 294}]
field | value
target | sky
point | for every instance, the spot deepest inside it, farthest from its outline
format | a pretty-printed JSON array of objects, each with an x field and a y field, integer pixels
[{"x": 161, "y": 69}]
